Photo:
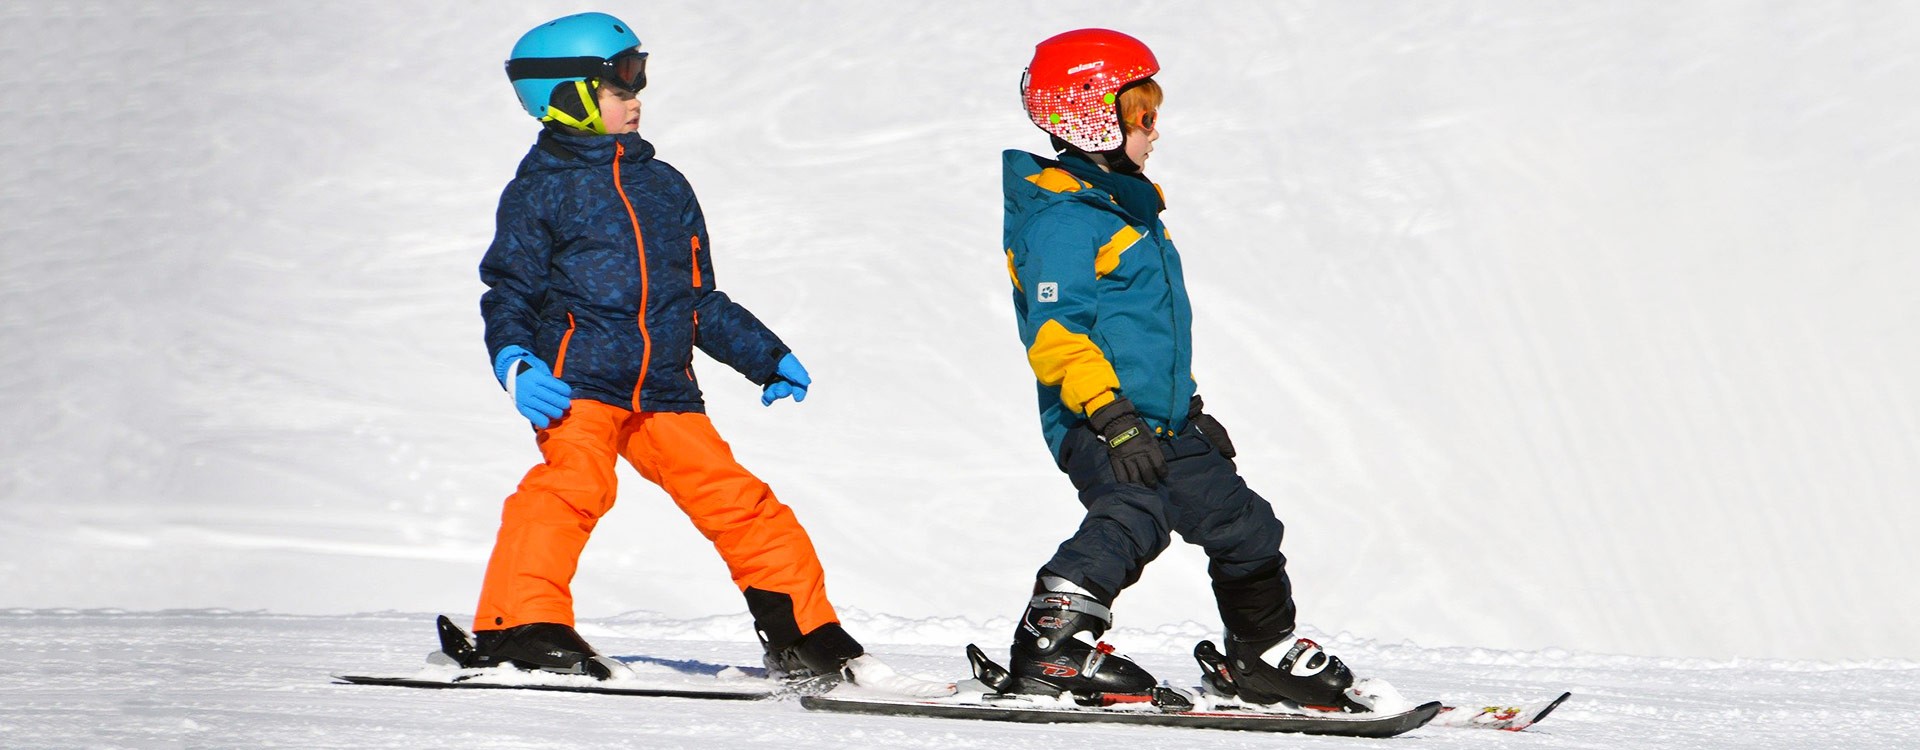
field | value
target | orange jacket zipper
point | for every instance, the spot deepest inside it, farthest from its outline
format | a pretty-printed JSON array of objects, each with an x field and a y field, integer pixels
[{"x": 640, "y": 245}]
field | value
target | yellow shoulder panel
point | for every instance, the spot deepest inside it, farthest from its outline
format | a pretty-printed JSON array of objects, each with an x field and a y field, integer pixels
[
  {"x": 1108, "y": 257},
  {"x": 1056, "y": 180}
]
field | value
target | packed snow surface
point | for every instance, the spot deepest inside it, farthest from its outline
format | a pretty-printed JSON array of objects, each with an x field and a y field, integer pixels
[
  {"x": 1553, "y": 330},
  {"x": 224, "y": 679}
]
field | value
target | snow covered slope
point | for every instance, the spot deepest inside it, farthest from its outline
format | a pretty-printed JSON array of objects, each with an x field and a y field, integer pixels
[
  {"x": 223, "y": 679},
  {"x": 1588, "y": 328}
]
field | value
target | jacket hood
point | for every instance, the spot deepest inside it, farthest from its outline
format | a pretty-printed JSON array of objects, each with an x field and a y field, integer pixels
[
  {"x": 1032, "y": 183},
  {"x": 1029, "y": 187}
]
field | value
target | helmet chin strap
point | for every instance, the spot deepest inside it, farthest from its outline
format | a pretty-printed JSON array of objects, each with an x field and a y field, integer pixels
[
  {"x": 591, "y": 121},
  {"x": 1117, "y": 161},
  {"x": 1114, "y": 160}
]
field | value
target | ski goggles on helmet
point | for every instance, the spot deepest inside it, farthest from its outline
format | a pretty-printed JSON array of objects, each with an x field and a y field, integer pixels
[{"x": 628, "y": 70}]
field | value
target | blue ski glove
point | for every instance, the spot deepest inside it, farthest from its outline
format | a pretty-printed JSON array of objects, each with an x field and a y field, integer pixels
[
  {"x": 792, "y": 381},
  {"x": 540, "y": 397}
]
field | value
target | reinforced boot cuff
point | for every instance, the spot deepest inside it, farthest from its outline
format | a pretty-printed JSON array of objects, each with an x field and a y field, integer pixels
[{"x": 827, "y": 648}]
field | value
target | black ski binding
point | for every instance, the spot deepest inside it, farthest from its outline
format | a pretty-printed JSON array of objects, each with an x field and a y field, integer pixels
[
  {"x": 1214, "y": 674},
  {"x": 456, "y": 645},
  {"x": 1169, "y": 699},
  {"x": 994, "y": 676},
  {"x": 1007, "y": 687}
]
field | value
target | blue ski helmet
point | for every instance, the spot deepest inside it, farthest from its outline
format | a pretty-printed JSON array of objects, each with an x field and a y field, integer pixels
[{"x": 574, "y": 49}]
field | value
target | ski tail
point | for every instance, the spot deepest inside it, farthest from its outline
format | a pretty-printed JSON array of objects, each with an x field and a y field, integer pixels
[{"x": 456, "y": 644}]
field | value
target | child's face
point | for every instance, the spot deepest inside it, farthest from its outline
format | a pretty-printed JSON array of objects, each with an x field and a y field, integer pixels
[
  {"x": 620, "y": 109},
  {"x": 1140, "y": 140}
]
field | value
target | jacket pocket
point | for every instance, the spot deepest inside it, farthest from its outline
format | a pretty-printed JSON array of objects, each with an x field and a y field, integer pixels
[
  {"x": 696, "y": 261},
  {"x": 560, "y": 359},
  {"x": 694, "y": 339}
]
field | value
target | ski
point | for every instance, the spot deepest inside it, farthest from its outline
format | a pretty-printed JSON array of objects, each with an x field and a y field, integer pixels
[
  {"x": 992, "y": 696},
  {"x": 1217, "y": 680},
  {"x": 1509, "y": 718},
  {"x": 452, "y": 667},
  {"x": 595, "y": 687},
  {"x": 987, "y": 697},
  {"x": 1049, "y": 710}
]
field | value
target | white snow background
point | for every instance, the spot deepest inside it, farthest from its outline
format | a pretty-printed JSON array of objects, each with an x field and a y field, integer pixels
[{"x": 1552, "y": 331}]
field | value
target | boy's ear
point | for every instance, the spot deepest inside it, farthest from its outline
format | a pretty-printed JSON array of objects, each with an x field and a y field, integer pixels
[{"x": 574, "y": 105}]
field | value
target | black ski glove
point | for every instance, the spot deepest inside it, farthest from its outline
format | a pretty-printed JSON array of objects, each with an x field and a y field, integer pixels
[
  {"x": 1209, "y": 427},
  {"x": 1130, "y": 443}
]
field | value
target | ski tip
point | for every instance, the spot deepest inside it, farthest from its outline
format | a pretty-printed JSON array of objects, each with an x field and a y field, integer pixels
[
  {"x": 1514, "y": 718},
  {"x": 1551, "y": 706}
]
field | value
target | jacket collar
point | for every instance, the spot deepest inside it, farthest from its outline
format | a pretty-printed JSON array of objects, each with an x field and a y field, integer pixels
[
  {"x": 1135, "y": 194},
  {"x": 1031, "y": 182},
  {"x": 555, "y": 149}
]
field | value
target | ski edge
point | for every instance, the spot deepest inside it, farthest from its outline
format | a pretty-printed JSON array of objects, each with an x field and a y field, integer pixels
[
  {"x": 1352, "y": 726},
  {"x": 408, "y": 682}
]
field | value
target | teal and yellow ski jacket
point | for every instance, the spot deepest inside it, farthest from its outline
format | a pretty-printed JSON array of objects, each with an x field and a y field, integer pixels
[{"x": 1098, "y": 292}]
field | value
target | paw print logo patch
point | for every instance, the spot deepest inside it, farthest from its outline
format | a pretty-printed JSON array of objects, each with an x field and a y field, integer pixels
[{"x": 1047, "y": 291}]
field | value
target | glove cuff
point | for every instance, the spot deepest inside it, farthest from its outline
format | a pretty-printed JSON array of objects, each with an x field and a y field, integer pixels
[
  {"x": 1105, "y": 416},
  {"x": 1194, "y": 407},
  {"x": 508, "y": 355},
  {"x": 771, "y": 373}
]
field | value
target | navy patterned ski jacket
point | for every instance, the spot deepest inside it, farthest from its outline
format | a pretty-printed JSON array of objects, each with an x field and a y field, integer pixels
[{"x": 600, "y": 265}]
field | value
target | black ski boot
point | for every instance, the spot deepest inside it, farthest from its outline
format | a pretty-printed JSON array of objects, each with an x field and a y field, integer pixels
[
  {"x": 821, "y": 653},
  {"x": 785, "y": 665},
  {"x": 1285, "y": 668},
  {"x": 1056, "y": 649},
  {"x": 542, "y": 646}
]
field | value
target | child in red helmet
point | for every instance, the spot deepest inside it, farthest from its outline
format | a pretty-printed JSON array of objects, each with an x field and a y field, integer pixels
[{"x": 1104, "y": 314}]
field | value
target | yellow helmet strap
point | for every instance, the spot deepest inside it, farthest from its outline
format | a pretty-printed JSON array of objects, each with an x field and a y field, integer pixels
[{"x": 592, "y": 122}]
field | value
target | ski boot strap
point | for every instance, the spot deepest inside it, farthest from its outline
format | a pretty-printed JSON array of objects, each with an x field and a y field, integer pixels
[{"x": 1072, "y": 602}]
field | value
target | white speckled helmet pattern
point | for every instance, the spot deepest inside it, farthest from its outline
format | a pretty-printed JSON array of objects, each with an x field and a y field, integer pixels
[{"x": 1071, "y": 88}]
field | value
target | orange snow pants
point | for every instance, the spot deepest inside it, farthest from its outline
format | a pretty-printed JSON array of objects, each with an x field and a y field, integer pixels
[{"x": 546, "y": 522}]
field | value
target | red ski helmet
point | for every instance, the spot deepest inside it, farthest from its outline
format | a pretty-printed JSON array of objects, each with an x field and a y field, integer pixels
[{"x": 1072, "y": 87}]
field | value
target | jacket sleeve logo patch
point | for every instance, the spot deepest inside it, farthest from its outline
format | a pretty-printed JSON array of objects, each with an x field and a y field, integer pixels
[{"x": 1047, "y": 291}]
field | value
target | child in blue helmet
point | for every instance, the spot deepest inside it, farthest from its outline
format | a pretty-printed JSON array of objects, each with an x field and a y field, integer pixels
[{"x": 600, "y": 285}]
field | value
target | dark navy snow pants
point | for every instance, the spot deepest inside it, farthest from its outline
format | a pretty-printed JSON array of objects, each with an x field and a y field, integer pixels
[{"x": 1205, "y": 500}]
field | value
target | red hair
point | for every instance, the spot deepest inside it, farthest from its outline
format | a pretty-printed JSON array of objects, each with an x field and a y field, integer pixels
[{"x": 1138, "y": 98}]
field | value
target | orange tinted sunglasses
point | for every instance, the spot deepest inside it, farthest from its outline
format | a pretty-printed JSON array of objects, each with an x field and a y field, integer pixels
[{"x": 1146, "y": 120}]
